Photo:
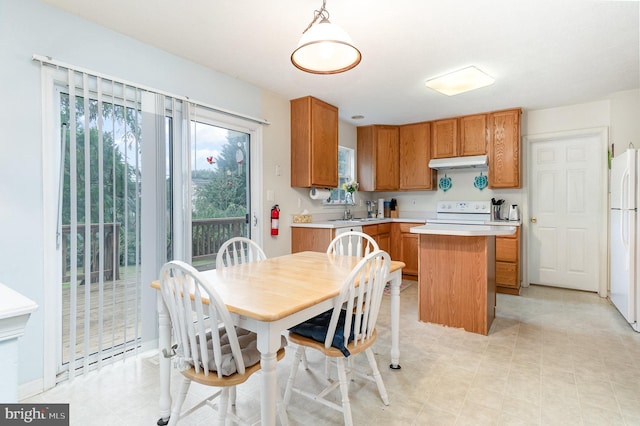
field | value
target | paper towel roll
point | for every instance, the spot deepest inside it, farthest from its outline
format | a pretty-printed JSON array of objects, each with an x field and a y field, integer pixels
[
  {"x": 380, "y": 207},
  {"x": 319, "y": 194}
]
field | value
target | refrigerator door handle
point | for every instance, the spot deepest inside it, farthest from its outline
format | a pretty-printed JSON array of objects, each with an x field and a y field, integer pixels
[
  {"x": 624, "y": 189},
  {"x": 624, "y": 236}
]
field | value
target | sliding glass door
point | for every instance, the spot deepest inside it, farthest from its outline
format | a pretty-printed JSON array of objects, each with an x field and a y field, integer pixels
[
  {"x": 220, "y": 188},
  {"x": 132, "y": 179}
]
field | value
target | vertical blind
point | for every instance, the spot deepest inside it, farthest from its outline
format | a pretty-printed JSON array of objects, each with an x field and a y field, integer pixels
[
  {"x": 100, "y": 220},
  {"x": 107, "y": 131}
]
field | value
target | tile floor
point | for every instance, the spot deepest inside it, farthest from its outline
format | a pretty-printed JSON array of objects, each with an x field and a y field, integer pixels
[{"x": 553, "y": 357}]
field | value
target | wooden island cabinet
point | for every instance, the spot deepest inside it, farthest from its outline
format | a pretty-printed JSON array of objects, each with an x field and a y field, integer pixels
[{"x": 457, "y": 283}]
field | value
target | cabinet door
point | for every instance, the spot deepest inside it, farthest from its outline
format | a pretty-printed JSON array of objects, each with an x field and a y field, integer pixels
[
  {"x": 507, "y": 274},
  {"x": 504, "y": 149},
  {"x": 473, "y": 135},
  {"x": 409, "y": 252},
  {"x": 386, "y": 158},
  {"x": 384, "y": 241},
  {"x": 444, "y": 138},
  {"x": 506, "y": 249},
  {"x": 314, "y": 143},
  {"x": 310, "y": 239},
  {"x": 378, "y": 158},
  {"x": 415, "y": 153},
  {"x": 324, "y": 144}
]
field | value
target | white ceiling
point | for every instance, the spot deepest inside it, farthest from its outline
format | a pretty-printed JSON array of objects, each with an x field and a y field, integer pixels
[{"x": 543, "y": 53}]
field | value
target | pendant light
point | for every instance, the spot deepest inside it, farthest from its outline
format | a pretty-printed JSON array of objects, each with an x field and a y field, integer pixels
[{"x": 325, "y": 48}]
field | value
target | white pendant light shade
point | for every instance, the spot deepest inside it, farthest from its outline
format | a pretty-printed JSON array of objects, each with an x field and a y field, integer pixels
[{"x": 325, "y": 48}]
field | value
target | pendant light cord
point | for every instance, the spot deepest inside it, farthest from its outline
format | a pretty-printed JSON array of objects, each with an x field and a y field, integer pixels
[{"x": 322, "y": 13}]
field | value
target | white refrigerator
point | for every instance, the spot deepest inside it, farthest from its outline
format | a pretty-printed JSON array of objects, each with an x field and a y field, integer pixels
[{"x": 624, "y": 254}]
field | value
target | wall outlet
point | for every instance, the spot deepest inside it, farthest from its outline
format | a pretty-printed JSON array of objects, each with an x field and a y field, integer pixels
[{"x": 413, "y": 202}]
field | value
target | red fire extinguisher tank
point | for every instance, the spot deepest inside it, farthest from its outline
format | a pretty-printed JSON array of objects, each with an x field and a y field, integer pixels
[{"x": 275, "y": 220}]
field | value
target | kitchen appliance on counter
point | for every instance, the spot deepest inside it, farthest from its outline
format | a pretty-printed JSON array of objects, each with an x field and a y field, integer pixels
[
  {"x": 371, "y": 209},
  {"x": 625, "y": 253},
  {"x": 514, "y": 212},
  {"x": 380, "y": 208}
]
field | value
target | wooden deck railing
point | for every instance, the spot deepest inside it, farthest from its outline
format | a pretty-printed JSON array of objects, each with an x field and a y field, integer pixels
[
  {"x": 111, "y": 252},
  {"x": 207, "y": 237},
  {"x": 209, "y": 234}
]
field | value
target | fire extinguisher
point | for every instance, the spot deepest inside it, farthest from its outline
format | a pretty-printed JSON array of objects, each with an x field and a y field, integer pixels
[{"x": 275, "y": 220}]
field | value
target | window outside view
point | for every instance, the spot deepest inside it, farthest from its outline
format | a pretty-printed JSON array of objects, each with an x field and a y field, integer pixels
[
  {"x": 346, "y": 173},
  {"x": 220, "y": 190}
]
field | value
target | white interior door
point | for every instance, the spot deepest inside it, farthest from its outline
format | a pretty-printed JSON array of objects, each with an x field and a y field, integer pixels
[{"x": 566, "y": 210}]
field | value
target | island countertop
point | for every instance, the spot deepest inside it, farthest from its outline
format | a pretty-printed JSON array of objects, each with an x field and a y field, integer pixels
[{"x": 463, "y": 230}]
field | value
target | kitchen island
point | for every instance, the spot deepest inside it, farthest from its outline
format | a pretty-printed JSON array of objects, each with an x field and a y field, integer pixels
[{"x": 456, "y": 274}]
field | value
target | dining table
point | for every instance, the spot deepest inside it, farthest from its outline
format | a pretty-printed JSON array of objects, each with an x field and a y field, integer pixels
[{"x": 270, "y": 296}]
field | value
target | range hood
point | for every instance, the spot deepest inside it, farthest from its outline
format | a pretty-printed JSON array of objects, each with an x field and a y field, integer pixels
[{"x": 473, "y": 161}]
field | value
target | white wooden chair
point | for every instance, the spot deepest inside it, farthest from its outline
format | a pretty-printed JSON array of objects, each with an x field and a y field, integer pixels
[
  {"x": 238, "y": 250},
  {"x": 223, "y": 357},
  {"x": 352, "y": 243},
  {"x": 352, "y": 319}
]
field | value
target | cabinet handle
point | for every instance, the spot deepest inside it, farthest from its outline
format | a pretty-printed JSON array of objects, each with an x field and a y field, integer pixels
[{"x": 534, "y": 220}]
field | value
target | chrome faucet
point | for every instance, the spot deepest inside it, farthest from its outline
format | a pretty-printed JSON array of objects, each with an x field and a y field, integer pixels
[{"x": 347, "y": 214}]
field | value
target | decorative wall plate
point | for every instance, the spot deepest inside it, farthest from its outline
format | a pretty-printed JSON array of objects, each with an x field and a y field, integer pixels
[
  {"x": 445, "y": 183},
  {"x": 480, "y": 182}
]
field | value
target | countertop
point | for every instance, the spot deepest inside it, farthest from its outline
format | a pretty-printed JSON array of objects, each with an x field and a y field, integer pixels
[
  {"x": 463, "y": 230},
  {"x": 343, "y": 223}
]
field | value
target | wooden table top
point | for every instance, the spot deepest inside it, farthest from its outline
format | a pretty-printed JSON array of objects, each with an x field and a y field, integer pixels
[{"x": 277, "y": 287}]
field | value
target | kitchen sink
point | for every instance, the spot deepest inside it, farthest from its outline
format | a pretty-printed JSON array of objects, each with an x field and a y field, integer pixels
[{"x": 355, "y": 219}]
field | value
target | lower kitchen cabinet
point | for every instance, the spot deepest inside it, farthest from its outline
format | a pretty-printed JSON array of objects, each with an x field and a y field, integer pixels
[
  {"x": 405, "y": 247},
  {"x": 394, "y": 238},
  {"x": 508, "y": 263},
  {"x": 381, "y": 233},
  {"x": 310, "y": 239}
]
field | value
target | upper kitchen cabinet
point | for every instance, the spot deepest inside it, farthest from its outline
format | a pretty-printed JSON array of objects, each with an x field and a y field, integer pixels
[
  {"x": 473, "y": 135},
  {"x": 444, "y": 138},
  {"x": 314, "y": 143},
  {"x": 378, "y": 158},
  {"x": 504, "y": 149},
  {"x": 459, "y": 136},
  {"x": 415, "y": 153}
]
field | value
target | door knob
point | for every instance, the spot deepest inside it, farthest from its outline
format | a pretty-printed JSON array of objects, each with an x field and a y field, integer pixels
[{"x": 534, "y": 220}]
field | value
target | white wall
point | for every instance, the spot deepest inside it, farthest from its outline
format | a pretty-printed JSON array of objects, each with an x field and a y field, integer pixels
[
  {"x": 625, "y": 120},
  {"x": 30, "y": 27}
]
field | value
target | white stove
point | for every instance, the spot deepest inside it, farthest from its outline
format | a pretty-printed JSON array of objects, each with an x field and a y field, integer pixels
[{"x": 462, "y": 212}]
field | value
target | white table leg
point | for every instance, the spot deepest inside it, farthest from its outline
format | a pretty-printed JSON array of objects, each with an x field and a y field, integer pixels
[
  {"x": 268, "y": 345},
  {"x": 164, "y": 343},
  {"x": 395, "y": 279}
]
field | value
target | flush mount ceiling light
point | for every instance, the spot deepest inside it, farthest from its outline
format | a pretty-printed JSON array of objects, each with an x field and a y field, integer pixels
[
  {"x": 460, "y": 81},
  {"x": 325, "y": 48}
]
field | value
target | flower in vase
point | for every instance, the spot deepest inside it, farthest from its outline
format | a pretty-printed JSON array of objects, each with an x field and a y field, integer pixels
[{"x": 351, "y": 186}]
